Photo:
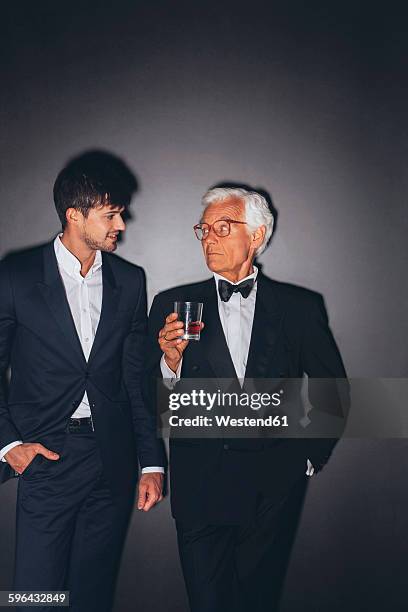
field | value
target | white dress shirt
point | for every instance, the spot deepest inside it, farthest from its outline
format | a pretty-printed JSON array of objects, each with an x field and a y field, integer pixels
[
  {"x": 84, "y": 295},
  {"x": 237, "y": 317}
]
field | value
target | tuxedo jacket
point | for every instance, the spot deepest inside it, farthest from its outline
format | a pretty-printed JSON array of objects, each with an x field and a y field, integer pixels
[
  {"x": 217, "y": 482},
  {"x": 49, "y": 372}
]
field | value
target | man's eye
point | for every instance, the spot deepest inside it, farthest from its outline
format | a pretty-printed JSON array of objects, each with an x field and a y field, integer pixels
[{"x": 110, "y": 217}]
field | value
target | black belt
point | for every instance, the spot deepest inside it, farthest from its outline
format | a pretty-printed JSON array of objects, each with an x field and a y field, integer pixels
[{"x": 80, "y": 425}]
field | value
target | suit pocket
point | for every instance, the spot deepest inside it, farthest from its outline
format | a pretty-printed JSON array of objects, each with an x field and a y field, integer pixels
[
  {"x": 33, "y": 466},
  {"x": 40, "y": 465}
]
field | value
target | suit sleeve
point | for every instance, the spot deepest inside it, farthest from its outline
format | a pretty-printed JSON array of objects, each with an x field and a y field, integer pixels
[
  {"x": 157, "y": 319},
  {"x": 8, "y": 324},
  {"x": 150, "y": 447},
  {"x": 328, "y": 387},
  {"x": 153, "y": 373}
]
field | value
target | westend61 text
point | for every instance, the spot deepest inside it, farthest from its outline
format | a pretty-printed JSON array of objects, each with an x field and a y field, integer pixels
[{"x": 227, "y": 421}]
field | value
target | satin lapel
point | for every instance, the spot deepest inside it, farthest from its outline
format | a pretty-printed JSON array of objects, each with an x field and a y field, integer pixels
[
  {"x": 110, "y": 301},
  {"x": 53, "y": 293},
  {"x": 212, "y": 337},
  {"x": 267, "y": 323}
]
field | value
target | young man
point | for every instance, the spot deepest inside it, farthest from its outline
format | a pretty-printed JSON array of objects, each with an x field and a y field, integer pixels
[
  {"x": 236, "y": 502},
  {"x": 74, "y": 424}
]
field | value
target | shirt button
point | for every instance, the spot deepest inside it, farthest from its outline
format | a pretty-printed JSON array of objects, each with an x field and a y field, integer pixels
[{"x": 86, "y": 339}]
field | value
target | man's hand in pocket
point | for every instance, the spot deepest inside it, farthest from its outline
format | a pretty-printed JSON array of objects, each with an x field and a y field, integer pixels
[{"x": 20, "y": 457}]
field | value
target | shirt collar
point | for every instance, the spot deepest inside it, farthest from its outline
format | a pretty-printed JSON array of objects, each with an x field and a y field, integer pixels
[
  {"x": 69, "y": 263},
  {"x": 218, "y": 277}
]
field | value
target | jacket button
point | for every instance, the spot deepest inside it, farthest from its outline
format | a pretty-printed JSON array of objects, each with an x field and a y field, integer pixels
[
  {"x": 195, "y": 368},
  {"x": 226, "y": 447}
]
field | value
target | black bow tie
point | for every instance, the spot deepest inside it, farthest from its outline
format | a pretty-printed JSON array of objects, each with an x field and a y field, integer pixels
[{"x": 226, "y": 289}]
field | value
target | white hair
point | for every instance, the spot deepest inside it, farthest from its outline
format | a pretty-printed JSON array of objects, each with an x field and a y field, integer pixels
[{"x": 257, "y": 211}]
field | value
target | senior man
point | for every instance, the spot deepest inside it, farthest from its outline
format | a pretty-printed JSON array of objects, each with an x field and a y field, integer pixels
[{"x": 236, "y": 504}]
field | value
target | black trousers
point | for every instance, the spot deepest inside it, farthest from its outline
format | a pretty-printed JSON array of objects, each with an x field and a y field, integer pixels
[
  {"x": 241, "y": 568},
  {"x": 70, "y": 529}
]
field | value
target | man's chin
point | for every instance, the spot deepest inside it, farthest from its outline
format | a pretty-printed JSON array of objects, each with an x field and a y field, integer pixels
[
  {"x": 109, "y": 248},
  {"x": 108, "y": 245},
  {"x": 211, "y": 265}
]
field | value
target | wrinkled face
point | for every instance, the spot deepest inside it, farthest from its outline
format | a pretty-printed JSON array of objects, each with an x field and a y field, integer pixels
[
  {"x": 228, "y": 254},
  {"x": 100, "y": 229}
]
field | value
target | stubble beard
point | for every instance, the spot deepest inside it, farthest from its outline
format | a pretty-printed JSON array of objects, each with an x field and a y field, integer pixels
[{"x": 95, "y": 245}]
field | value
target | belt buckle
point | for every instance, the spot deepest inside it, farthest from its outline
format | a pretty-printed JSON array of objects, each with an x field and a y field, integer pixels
[{"x": 74, "y": 424}]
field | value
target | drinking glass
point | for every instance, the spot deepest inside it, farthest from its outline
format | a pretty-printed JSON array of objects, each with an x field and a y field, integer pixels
[{"x": 190, "y": 314}]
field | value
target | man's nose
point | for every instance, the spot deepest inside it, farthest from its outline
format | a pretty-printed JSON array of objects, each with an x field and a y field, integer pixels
[
  {"x": 120, "y": 225},
  {"x": 211, "y": 237}
]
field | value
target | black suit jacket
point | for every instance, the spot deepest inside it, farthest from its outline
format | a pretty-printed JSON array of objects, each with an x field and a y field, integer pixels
[
  {"x": 212, "y": 481},
  {"x": 49, "y": 373}
]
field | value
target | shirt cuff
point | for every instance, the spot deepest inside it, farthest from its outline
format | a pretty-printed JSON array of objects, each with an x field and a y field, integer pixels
[
  {"x": 6, "y": 449},
  {"x": 170, "y": 378},
  {"x": 310, "y": 468},
  {"x": 149, "y": 470}
]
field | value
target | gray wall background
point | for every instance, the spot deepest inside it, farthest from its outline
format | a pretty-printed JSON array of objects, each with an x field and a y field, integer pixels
[{"x": 307, "y": 101}]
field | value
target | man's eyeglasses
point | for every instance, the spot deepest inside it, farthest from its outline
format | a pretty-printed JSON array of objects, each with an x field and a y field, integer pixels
[{"x": 221, "y": 228}]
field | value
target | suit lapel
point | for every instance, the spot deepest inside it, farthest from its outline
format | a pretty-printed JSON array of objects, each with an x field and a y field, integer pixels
[
  {"x": 53, "y": 292},
  {"x": 212, "y": 338},
  {"x": 110, "y": 301},
  {"x": 266, "y": 326}
]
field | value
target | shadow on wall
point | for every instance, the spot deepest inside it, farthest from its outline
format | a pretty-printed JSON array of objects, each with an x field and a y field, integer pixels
[{"x": 107, "y": 173}]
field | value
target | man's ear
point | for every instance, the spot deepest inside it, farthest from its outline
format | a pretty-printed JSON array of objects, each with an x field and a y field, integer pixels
[
  {"x": 73, "y": 216},
  {"x": 258, "y": 237}
]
